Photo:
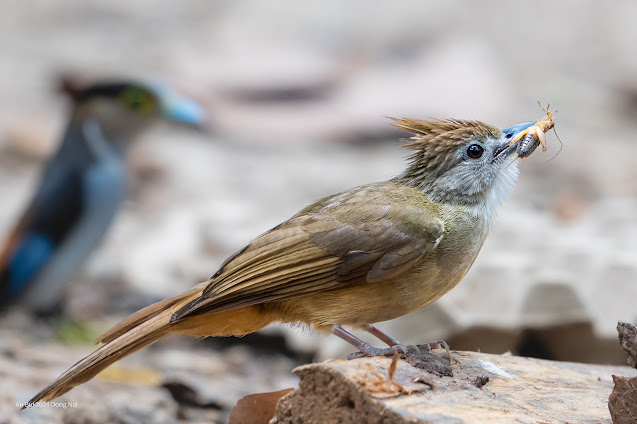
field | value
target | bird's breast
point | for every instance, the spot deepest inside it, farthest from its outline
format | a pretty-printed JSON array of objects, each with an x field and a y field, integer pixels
[
  {"x": 434, "y": 275},
  {"x": 103, "y": 190}
]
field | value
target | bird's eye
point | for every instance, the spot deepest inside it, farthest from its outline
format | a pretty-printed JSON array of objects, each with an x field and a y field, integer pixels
[
  {"x": 475, "y": 151},
  {"x": 137, "y": 100}
]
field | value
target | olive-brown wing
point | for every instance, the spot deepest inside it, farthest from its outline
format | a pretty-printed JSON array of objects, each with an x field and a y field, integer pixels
[{"x": 317, "y": 252}]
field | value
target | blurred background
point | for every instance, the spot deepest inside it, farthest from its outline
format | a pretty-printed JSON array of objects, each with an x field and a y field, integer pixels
[{"x": 296, "y": 95}]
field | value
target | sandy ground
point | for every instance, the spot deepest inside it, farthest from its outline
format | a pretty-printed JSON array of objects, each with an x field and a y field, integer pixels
[{"x": 296, "y": 94}]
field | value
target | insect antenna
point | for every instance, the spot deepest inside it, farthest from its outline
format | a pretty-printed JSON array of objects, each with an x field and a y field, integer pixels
[{"x": 561, "y": 145}]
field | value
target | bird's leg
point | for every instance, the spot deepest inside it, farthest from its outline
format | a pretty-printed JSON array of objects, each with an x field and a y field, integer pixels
[
  {"x": 337, "y": 330},
  {"x": 436, "y": 344},
  {"x": 386, "y": 338},
  {"x": 365, "y": 349}
]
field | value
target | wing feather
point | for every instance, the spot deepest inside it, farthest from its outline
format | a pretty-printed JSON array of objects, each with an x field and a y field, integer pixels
[{"x": 324, "y": 247}]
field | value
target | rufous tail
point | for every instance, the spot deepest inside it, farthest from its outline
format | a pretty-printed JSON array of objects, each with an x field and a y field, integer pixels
[{"x": 141, "y": 329}]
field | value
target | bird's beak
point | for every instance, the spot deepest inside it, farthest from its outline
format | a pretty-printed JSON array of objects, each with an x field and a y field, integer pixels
[
  {"x": 508, "y": 134},
  {"x": 182, "y": 110},
  {"x": 512, "y": 131}
]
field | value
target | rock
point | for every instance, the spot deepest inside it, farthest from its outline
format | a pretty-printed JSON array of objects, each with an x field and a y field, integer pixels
[
  {"x": 628, "y": 341},
  {"x": 257, "y": 408},
  {"x": 622, "y": 403},
  {"x": 483, "y": 388}
]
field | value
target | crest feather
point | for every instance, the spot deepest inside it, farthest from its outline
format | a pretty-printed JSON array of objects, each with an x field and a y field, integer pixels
[{"x": 443, "y": 133}]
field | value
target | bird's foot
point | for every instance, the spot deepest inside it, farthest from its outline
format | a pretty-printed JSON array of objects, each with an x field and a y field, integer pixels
[{"x": 368, "y": 350}]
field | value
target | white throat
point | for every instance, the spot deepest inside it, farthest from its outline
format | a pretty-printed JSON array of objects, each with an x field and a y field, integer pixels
[{"x": 504, "y": 182}]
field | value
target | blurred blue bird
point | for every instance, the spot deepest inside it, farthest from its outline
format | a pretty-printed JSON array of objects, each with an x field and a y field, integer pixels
[{"x": 82, "y": 187}]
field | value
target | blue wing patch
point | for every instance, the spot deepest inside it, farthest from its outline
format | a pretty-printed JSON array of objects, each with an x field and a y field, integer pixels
[{"x": 31, "y": 254}]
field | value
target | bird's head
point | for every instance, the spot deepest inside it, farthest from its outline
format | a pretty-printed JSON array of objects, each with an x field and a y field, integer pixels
[
  {"x": 122, "y": 109},
  {"x": 461, "y": 162}
]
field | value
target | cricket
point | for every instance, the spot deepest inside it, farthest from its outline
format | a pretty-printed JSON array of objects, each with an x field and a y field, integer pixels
[{"x": 534, "y": 135}]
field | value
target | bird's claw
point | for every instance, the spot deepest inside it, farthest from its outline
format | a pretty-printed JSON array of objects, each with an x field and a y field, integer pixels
[
  {"x": 388, "y": 351},
  {"x": 405, "y": 348},
  {"x": 436, "y": 344}
]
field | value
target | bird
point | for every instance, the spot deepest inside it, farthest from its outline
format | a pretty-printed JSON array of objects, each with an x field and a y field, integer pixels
[
  {"x": 352, "y": 259},
  {"x": 82, "y": 186}
]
